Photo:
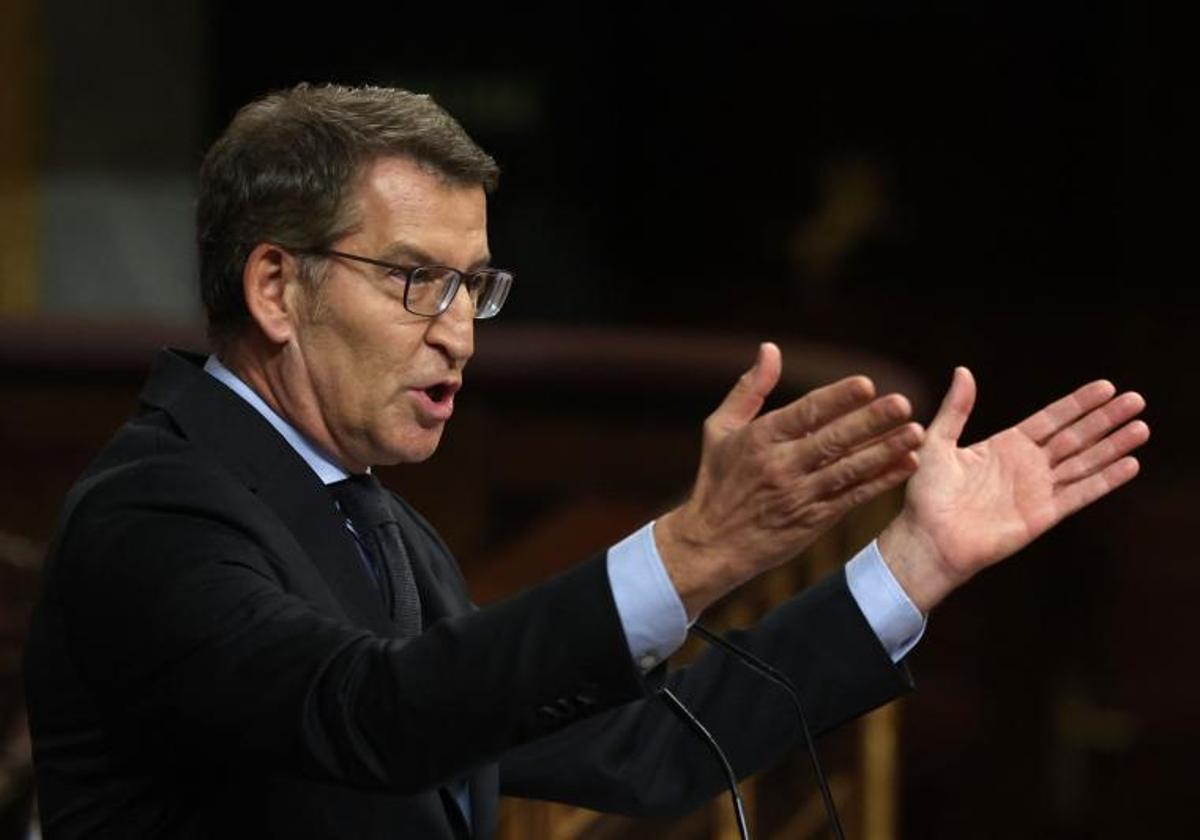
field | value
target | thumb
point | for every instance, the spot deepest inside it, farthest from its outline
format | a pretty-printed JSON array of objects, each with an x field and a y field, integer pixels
[
  {"x": 956, "y": 407},
  {"x": 746, "y": 399}
]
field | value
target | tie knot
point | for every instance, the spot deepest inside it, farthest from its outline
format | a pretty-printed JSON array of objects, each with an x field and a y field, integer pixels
[{"x": 363, "y": 499}]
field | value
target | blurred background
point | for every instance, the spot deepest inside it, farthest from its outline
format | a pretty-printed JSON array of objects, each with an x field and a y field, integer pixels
[{"x": 893, "y": 187}]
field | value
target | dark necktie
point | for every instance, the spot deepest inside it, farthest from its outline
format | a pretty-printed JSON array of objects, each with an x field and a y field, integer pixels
[{"x": 363, "y": 499}]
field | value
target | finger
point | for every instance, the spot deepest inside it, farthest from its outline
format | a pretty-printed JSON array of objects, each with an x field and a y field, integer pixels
[
  {"x": 745, "y": 400},
  {"x": 850, "y": 432},
  {"x": 859, "y": 494},
  {"x": 956, "y": 407},
  {"x": 1098, "y": 456},
  {"x": 817, "y": 408},
  {"x": 1041, "y": 425},
  {"x": 867, "y": 463},
  {"x": 1094, "y": 426},
  {"x": 1082, "y": 493}
]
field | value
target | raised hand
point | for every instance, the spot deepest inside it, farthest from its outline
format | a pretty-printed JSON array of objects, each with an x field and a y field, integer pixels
[
  {"x": 967, "y": 508},
  {"x": 769, "y": 485}
]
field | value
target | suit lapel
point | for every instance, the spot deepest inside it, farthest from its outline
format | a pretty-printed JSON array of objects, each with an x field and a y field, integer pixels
[
  {"x": 307, "y": 509},
  {"x": 437, "y": 600},
  {"x": 212, "y": 416},
  {"x": 440, "y": 597}
]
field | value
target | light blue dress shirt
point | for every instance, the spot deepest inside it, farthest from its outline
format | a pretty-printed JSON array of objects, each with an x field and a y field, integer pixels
[{"x": 656, "y": 625}]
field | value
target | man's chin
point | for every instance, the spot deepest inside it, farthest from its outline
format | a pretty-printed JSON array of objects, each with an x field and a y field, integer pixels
[{"x": 412, "y": 450}]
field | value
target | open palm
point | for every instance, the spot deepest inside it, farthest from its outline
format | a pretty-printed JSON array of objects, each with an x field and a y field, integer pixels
[{"x": 967, "y": 508}]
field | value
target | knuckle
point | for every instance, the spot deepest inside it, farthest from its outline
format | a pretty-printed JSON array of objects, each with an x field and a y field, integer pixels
[
  {"x": 809, "y": 414},
  {"x": 827, "y": 447},
  {"x": 907, "y": 438},
  {"x": 859, "y": 495},
  {"x": 802, "y": 415},
  {"x": 774, "y": 477},
  {"x": 714, "y": 429},
  {"x": 843, "y": 477},
  {"x": 814, "y": 514}
]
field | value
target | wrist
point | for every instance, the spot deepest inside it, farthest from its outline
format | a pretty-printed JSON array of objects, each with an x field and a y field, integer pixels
[
  {"x": 690, "y": 562},
  {"x": 916, "y": 564}
]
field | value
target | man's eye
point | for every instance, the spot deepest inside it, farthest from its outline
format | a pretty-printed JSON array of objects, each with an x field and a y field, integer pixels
[{"x": 422, "y": 278}]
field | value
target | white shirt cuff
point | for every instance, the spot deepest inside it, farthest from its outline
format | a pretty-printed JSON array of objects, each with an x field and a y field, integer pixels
[
  {"x": 651, "y": 612},
  {"x": 884, "y": 603}
]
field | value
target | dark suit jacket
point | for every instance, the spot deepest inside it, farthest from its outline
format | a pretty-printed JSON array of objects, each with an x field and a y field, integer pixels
[{"x": 210, "y": 658}]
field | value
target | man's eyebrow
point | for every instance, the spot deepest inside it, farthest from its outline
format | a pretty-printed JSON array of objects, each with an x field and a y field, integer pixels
[
  {"x": 402, "y": 252},
  {"x": 405, "y": 253}
]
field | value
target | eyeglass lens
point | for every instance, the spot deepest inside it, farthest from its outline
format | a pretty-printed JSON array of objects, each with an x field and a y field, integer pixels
[{"x": 431, "y": 289}]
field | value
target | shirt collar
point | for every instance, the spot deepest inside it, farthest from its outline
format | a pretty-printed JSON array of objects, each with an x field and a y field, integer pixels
[{"x": 326, "y": 470}]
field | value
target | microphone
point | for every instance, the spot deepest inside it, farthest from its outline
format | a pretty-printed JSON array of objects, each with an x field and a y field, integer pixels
[
  {"x": 681, "y": 712},
  {"x": 774, "y": 675}
]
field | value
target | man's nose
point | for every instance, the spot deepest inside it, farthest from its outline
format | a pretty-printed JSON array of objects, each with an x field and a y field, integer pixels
[{"x": 454, "y": 330}]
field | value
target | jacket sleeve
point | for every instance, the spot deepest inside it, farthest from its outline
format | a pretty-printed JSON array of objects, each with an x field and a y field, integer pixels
[
  {"x": 176, "y": 623},
  {"x": 640, "y": 760}
]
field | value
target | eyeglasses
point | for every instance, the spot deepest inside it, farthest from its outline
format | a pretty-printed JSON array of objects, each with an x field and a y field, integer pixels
[{"x": 430, "y": 289}]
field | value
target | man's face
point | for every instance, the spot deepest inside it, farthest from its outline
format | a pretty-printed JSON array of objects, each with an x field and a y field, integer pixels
[{"x": 373, "y": 383}]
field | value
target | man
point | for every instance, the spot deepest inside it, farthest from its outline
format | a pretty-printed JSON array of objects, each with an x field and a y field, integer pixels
[{"x": 241, "y": 633}]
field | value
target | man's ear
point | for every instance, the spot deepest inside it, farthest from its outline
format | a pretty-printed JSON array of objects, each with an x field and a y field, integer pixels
[{"x": 266, "y": 276}]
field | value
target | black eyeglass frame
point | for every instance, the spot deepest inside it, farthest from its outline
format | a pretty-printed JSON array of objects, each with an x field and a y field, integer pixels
[{"x": 500, "y": 275}]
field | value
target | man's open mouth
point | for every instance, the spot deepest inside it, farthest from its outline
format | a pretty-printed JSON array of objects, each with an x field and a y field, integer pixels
[{"x": 439, "y": 393}]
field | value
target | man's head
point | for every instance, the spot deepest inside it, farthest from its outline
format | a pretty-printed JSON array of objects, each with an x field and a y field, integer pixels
[
  {"x": 379, "y": 173},
  {"x": 286, "y": 168}
]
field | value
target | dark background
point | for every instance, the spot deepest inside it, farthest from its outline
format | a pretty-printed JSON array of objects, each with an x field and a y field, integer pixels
[{"x": 993, "y": 185}]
